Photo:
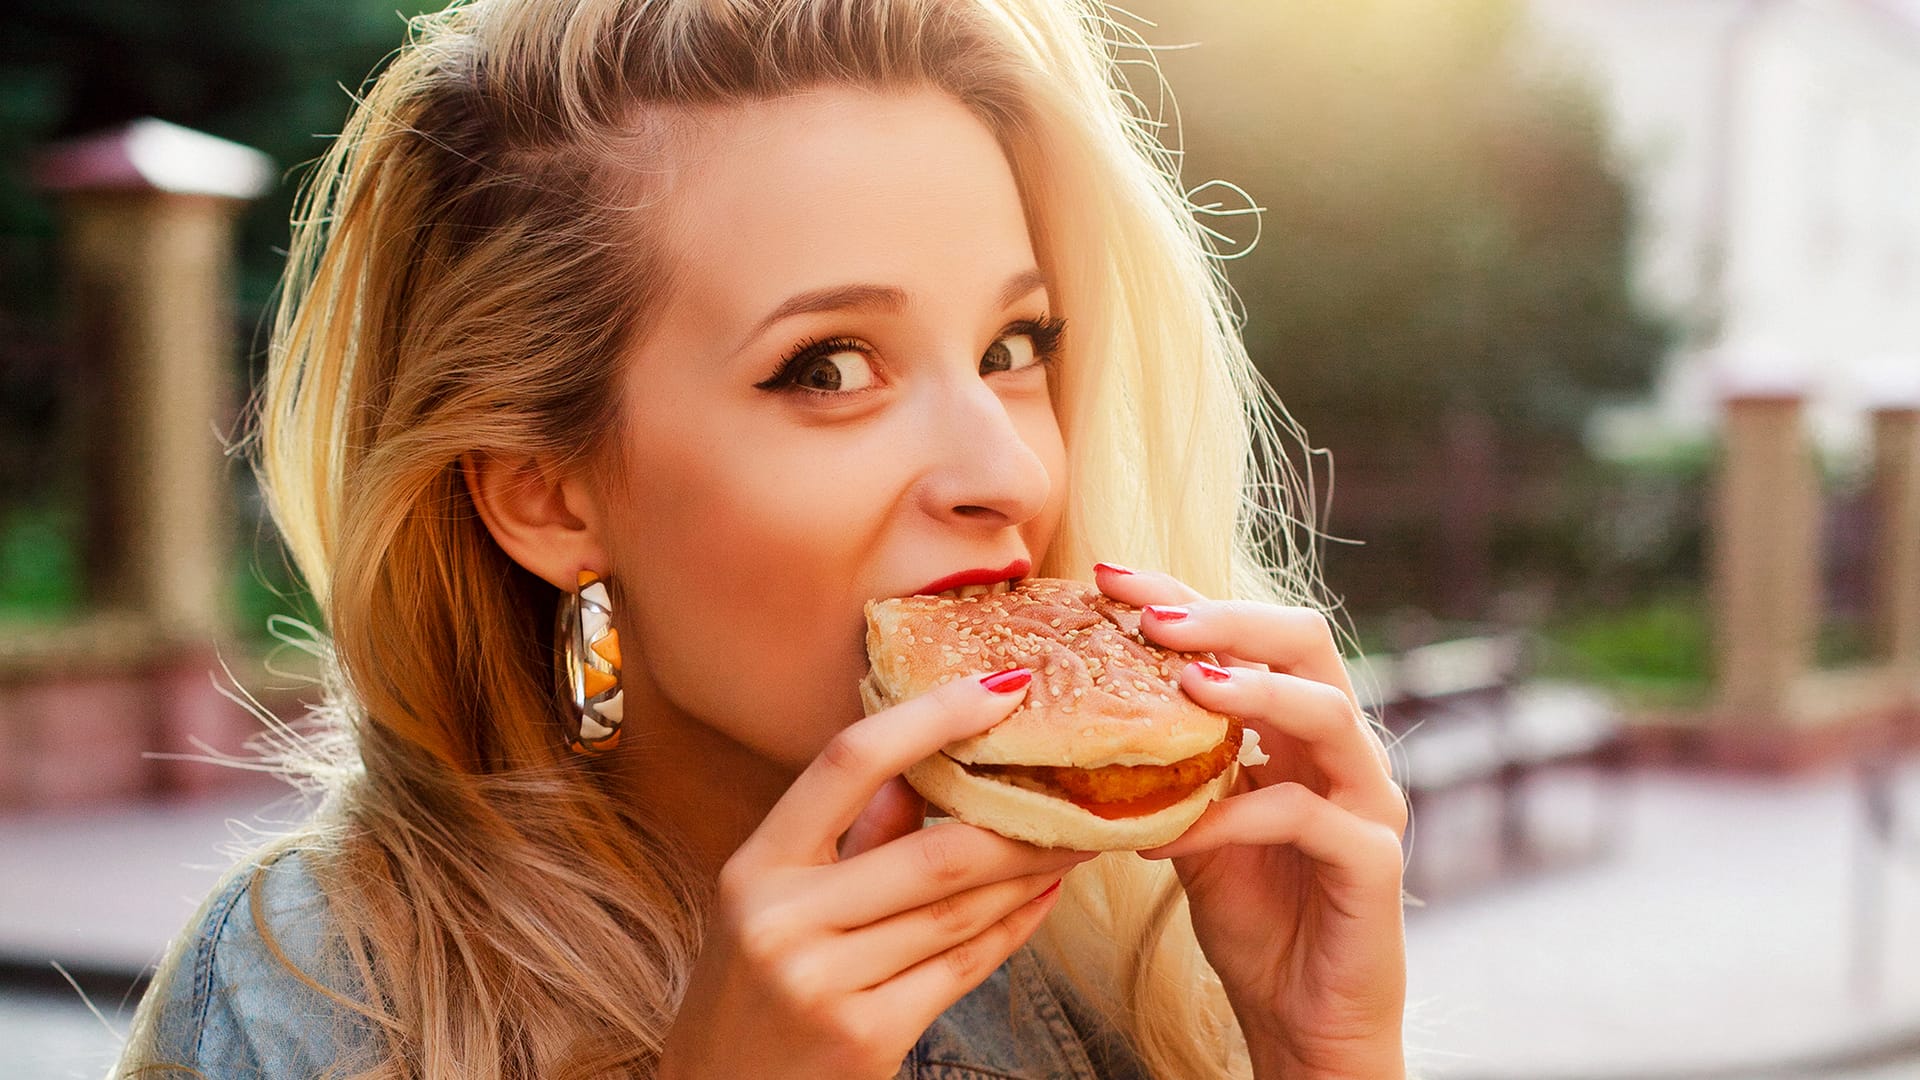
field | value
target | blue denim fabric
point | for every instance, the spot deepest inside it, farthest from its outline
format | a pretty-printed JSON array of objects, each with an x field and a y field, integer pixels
[
  {"x": 233, "y": 1009},
  {"x": 1022, "y": 1023}
]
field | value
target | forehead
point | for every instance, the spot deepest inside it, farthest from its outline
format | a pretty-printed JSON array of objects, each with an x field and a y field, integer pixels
[{"x": 900, "y": 187}]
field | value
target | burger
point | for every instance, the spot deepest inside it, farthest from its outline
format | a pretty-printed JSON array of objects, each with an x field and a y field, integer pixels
[{"x": 1105, "y": 752}]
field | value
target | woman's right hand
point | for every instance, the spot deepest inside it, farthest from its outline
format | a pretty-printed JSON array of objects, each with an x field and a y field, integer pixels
[{"x": 823, "y": 962}]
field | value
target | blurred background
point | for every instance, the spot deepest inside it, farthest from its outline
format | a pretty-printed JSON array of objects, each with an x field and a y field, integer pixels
[{"x": 1606, "y": 314}]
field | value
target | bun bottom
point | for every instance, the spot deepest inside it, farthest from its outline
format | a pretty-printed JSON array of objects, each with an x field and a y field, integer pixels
[{"x": 1025, "y": 814}]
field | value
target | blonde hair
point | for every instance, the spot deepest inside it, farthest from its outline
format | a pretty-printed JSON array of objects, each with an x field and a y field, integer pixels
[{"x": 448, "y": 292}]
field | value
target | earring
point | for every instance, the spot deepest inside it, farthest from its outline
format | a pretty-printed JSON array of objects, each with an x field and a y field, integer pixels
[{"x": 588, "y": 649}]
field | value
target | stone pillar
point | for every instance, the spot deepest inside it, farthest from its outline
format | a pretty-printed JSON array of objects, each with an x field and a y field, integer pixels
[
  {"x": 1765, "y": 554},
  {"x": 1896, "y": 569},
  {"x": 149, "y": 213}
]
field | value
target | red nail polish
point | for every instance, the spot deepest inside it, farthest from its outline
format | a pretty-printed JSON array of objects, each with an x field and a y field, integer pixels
[
  {"x": 1166, "y": 614},
  {"x": 1006, "y": 682},
  {"x": 1211, "y": 672},
  {"x": 1111, "y": 568},
  {"x": 1050, "y": 890}
]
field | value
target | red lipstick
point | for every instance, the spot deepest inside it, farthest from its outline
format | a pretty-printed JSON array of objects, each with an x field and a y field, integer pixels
[{"x": 1018, "y": 568}]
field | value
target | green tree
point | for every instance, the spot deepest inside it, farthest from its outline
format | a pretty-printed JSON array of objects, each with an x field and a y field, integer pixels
[{"x": 1443, "y": 262}]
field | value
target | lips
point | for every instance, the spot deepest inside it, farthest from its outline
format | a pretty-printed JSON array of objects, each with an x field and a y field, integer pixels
[{"x": 977, "y": 582}]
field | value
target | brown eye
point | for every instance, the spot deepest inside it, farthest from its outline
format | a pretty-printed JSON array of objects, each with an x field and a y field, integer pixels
[
  {"x": 1011, "y": 353},
  {"x": 844, "y": 370}
]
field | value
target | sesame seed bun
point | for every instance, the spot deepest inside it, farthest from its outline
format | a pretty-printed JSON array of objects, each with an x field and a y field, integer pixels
[{"x": 1101, "y": 695}]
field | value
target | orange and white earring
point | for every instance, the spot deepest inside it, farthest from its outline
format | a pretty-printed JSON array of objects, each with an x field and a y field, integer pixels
[{"x": 589, "y": 666}]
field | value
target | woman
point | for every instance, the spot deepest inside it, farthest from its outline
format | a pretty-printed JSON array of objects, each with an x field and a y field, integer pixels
[{"x": 753, "y": 310}]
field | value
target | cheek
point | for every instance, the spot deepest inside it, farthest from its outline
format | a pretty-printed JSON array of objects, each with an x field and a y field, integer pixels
[
  {"x": 1039, "y": 429},
  {"x": 740, "y": 564}
]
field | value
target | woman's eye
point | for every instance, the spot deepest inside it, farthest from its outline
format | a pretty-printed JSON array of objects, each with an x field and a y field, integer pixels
[
  {"x": 845, "y": 370},
  {"x": 1010, "y": 353}
]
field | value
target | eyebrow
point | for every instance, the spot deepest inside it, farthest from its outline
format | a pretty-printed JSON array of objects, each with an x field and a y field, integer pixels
[{"x": 877, "y": 297}]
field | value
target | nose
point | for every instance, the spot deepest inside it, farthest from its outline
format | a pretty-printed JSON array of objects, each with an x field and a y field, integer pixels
[{"x": 985, "y": 459}]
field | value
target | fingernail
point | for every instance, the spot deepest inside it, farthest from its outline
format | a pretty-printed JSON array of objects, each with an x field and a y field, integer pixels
[
  {"x": 1111, "y": 568},
  {"x": 1210, "y": 671},
  {"x": 1050, "y": 890},
  {"x": 1006, "y": 682},
  {"x": 1166, "y": 614}
]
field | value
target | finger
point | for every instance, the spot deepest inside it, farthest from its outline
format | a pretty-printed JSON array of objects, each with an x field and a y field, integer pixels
[
  {"x": 1297, "y": 640},
  {"x": 931, "y": 865},
  {"x": 879, "y": 951},
  {"x": 1356, "y": 857},
  {"x": 1338, "y": 741},
  {"x": 1143, "y": 588},
  {"x": 830, "y": 792},
  {"x": 894, "y": 811},
  {"x": 917, "y": 996}
]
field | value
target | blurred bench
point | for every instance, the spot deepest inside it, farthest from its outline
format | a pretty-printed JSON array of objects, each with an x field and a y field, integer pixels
[{"x": 1461, "y": 714}]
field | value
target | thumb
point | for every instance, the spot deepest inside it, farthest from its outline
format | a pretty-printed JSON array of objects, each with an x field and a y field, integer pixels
[{"x": 894, "y": 811}]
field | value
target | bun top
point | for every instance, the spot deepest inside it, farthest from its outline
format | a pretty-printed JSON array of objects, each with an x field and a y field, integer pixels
[{"x": 1101, "y": 693}]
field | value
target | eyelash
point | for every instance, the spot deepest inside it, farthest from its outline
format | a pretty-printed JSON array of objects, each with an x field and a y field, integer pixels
[{"x": 1046, "y": 333}]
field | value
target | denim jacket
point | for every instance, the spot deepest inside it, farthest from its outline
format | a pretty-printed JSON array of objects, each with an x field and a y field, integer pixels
[{"x": 232, "y": 1009}]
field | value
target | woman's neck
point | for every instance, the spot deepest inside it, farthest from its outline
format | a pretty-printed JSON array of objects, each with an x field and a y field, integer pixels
[{"x": 712, "y": 791}]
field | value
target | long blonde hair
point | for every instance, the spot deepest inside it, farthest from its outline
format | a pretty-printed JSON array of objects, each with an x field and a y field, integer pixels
[{"x": 449, "y": 291}]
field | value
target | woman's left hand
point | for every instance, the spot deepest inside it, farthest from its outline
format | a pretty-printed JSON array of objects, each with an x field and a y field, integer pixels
[{"x": 1294, "y": 878}]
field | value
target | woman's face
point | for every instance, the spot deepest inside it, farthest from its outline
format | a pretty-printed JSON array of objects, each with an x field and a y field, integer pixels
[{"x": 845, "y": 397}]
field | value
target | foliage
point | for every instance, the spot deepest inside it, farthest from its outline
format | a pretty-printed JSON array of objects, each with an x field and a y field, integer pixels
[
  {"x": 1656, "y": 651},
  {"x": 38, "y": 576},
  {"x": 266, "y": 587},
  {"x": 1447, "y": 233},
  {"x": 1445, "y": 225}
]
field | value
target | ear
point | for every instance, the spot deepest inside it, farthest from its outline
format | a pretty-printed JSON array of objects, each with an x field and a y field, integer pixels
[{"x": 539, "y": 519}]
